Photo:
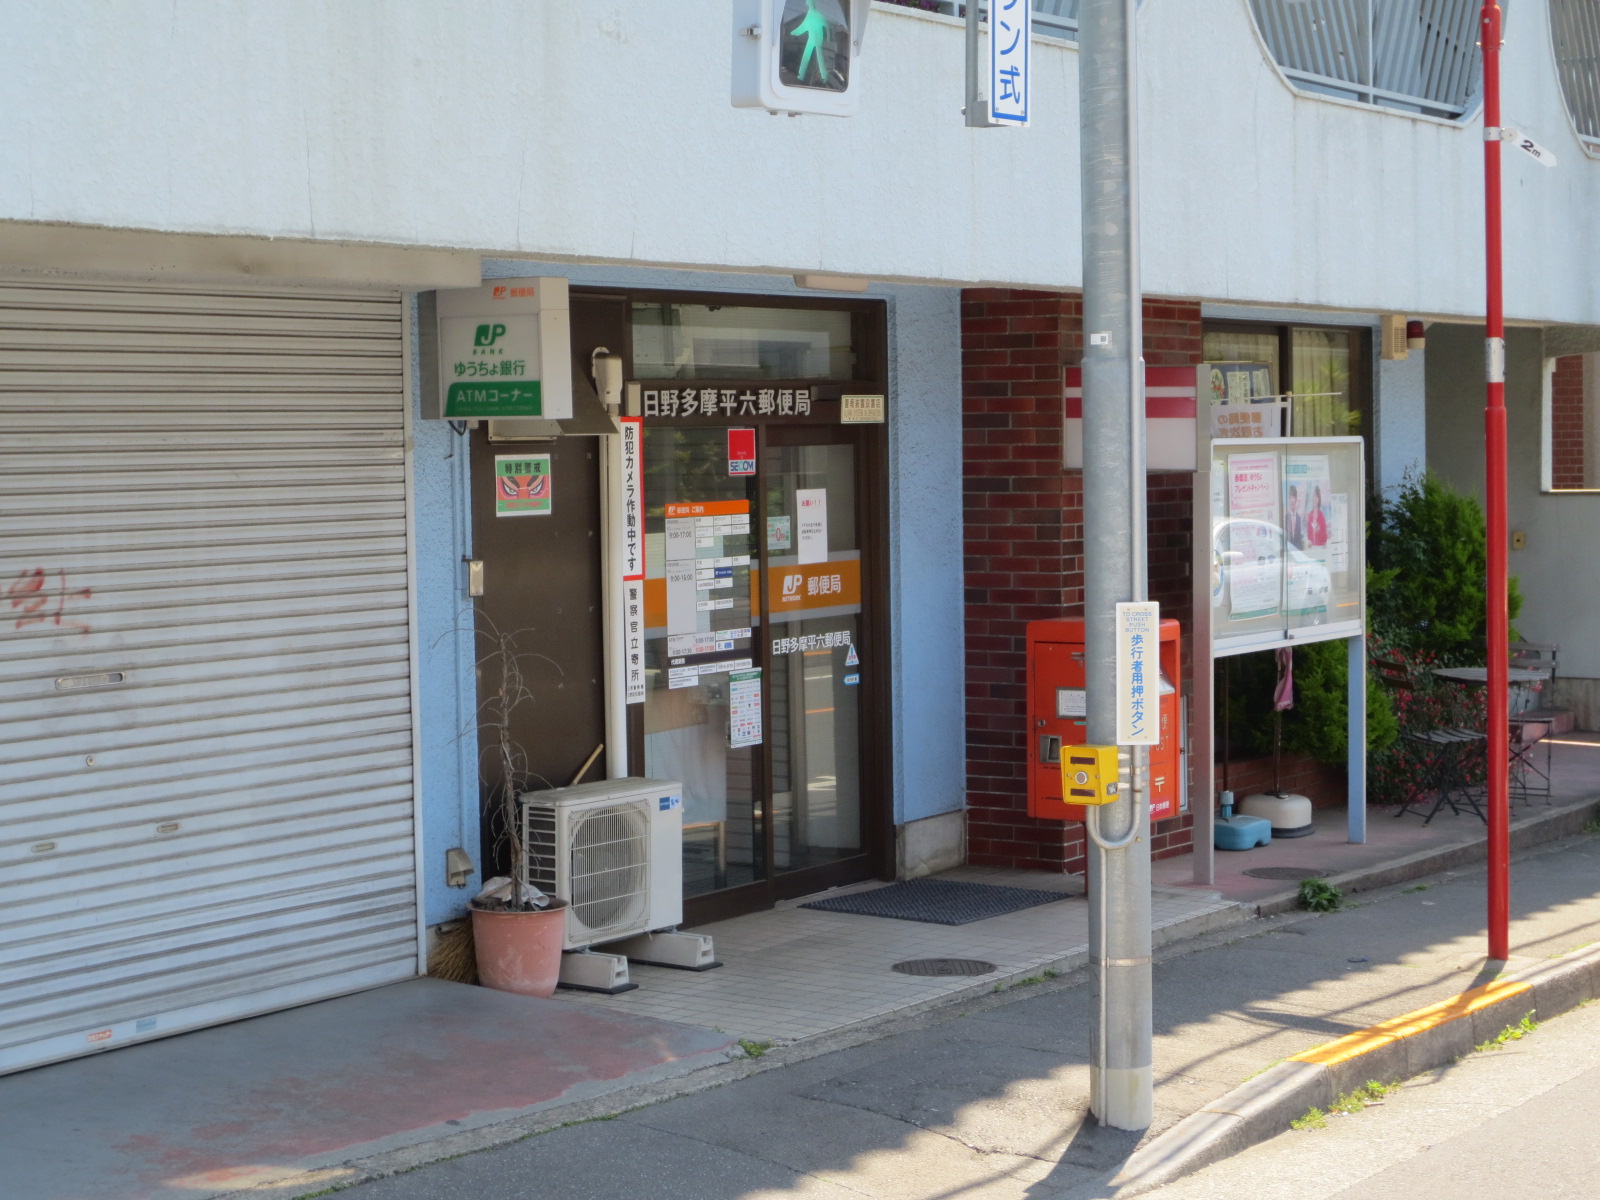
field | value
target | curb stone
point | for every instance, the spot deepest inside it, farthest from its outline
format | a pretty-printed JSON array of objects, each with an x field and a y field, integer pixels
[
  {"x": 1525, "y": 834},
  {"x": 1401, "y": 1047}
]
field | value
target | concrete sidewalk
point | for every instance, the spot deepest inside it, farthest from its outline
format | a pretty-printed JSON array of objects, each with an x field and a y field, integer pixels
[
  {"x": 370, "y": 1084},
  {"x": 285, "y": 1095},
  {"x": 987, "y": 1100}
]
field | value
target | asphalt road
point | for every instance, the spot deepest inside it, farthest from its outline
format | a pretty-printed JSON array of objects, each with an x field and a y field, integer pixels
[{"x": 1507, "y": 1124}]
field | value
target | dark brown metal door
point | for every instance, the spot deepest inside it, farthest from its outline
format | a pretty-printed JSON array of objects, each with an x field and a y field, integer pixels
[{"x": 542, "y": 600}]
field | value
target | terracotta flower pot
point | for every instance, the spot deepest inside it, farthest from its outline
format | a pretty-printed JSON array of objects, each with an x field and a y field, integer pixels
[{"x": 520, "y": 951}]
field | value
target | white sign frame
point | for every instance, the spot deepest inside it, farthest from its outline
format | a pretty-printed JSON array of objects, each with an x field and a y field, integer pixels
[
  {"x": 532, "y": 315},
  {"x": 1138, "y": 673},
  {"x": 1010, "y": 56}
]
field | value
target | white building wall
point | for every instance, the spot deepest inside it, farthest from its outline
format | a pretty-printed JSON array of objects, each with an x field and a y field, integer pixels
[
  {"x": 602, "y": 130},
  {"x": 1558, "y": 571}
]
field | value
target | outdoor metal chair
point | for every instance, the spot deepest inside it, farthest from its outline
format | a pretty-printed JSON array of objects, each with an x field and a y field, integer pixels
[
  {"x": 1528, "y": 778},
  {"x": 1542, "y": 656},
  {"x": 1535, "y": 725},
  {"x": 1447, "y": 755}
]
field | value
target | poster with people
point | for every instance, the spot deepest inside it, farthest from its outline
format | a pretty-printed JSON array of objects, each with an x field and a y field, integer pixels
[
  {"x": 1310, "y": 518},
  {"x": 1307, "y": 502}
]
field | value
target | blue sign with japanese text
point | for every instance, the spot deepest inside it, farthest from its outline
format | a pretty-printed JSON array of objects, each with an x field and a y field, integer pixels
[{"x": 1010, "y": 30}]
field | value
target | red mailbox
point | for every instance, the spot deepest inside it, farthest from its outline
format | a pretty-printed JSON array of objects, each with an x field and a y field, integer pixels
[{"x": 1056, "y": 718}]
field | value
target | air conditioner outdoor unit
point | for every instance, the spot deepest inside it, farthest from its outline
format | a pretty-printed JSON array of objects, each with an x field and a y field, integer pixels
[{"x": 613, "y": 850}]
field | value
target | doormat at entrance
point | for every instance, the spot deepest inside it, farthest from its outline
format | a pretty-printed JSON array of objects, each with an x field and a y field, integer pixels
[{"x": 937, "y": 901}]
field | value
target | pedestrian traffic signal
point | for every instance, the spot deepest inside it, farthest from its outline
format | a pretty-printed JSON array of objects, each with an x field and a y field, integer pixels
[{"x": 798, "y": 56}]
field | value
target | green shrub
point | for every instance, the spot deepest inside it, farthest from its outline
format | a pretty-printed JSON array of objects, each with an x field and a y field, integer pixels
[
  {"x": 1428, "y": 590},
  {"x": 1317, "y": 724}
]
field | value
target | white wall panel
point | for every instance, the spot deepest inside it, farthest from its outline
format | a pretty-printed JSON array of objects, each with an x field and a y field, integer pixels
[{"x": 606, "y": 133}]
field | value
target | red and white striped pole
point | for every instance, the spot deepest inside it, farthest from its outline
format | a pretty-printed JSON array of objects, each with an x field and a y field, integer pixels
[{"x": 1494, "y": 455}]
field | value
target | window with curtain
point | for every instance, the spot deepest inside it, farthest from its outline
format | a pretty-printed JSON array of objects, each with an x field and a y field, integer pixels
[
  {"x": 1322, "y": 404},
  {"x": 1322, "y": 368}
]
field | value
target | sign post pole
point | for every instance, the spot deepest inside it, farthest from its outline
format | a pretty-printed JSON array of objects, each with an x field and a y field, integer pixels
[{"x": 1499, "y": 650}]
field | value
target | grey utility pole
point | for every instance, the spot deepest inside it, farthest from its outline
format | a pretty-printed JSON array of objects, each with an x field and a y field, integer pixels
[{"x": 1115, "y": 566}]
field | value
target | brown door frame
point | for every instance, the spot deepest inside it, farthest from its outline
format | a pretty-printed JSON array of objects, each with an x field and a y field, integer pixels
[{"x": 870, "y": 337}]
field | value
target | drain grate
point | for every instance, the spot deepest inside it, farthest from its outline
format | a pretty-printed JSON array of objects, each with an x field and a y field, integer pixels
[
  {"x": 1294, "y": 873},
  {"x": 943, "y": 966}
]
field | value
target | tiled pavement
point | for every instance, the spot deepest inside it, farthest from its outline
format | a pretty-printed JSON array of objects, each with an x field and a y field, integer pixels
[
  {"x": 793, "y": 973},
  {"x": 796, "y": 972}
]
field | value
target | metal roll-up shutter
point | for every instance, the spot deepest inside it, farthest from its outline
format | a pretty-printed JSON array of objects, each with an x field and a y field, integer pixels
[{"x": 206, "y": 788}]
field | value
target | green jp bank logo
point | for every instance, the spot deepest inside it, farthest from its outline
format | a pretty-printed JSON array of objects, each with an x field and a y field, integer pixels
[{"x": 488, "y": 335}]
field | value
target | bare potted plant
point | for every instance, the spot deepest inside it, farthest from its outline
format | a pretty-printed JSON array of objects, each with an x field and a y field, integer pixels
[{"x": 517, "y": 930}]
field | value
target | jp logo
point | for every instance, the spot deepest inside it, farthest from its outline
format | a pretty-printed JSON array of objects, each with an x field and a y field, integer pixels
[{"x": 487, "y": 335}]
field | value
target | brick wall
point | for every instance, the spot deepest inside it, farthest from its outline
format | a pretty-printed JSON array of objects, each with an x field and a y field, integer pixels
[
  {"x": 1024, "y": 531},
  {"x": 1323, "y": 784},
  {"x": 1566, "y": 423}
]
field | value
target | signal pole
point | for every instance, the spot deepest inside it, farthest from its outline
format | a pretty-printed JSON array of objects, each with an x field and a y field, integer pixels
[{"x": 1115, "y": 563}]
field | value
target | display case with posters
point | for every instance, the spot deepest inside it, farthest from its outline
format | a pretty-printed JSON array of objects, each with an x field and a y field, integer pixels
[
  {"x": 1279, "y": 560},
  {"x": 1286, "y": 548}
]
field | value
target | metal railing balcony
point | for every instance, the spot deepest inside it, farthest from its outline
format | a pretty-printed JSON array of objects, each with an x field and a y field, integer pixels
[
  {"x": 1575, "y": 32},
  {"x": 1052, "y": 18},
  {"x": 1413, "y": 55}
]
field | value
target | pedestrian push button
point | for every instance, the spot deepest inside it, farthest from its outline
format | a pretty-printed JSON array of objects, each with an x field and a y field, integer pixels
[{"x": 1089, "y": 774}]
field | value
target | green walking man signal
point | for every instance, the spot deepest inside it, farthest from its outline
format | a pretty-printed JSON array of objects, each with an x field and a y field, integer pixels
[
  {"x": 814, "y": 27},
  {"x": 798, "y": 56}
]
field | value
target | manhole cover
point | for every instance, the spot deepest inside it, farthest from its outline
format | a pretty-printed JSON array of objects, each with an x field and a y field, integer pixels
[
  {"x": 943, "y": 966},
  {"x": 1294, "y": 873}
]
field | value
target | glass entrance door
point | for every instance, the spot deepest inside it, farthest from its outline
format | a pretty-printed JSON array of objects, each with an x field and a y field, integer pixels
[
  {"x": 756, "y": 594},
  {"x": 702, "y": 617},
  {"x": 813, "y": 634}
]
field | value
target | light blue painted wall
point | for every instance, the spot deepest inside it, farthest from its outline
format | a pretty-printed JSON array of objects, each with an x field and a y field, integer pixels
[
  {"x": 925, "y": 572},
  {"x": 447, "y": 754}
]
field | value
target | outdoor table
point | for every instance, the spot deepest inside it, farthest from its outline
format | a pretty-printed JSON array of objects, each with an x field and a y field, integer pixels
[{"x": 1517, "y": 676}]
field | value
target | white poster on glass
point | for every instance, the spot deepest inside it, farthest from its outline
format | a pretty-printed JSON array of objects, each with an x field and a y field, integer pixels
[
  {"x": 1339, "y": 533},
  {"x": 811, "y": 525},
  {"x": 1251, "y": 542}
]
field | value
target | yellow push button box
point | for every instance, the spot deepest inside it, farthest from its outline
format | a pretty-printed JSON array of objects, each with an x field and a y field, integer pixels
[{"x": 1089, "y": 774}]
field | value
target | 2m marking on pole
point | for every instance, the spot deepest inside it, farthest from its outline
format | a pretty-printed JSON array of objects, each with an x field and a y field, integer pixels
[{"x": 1529, "y": 147}]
